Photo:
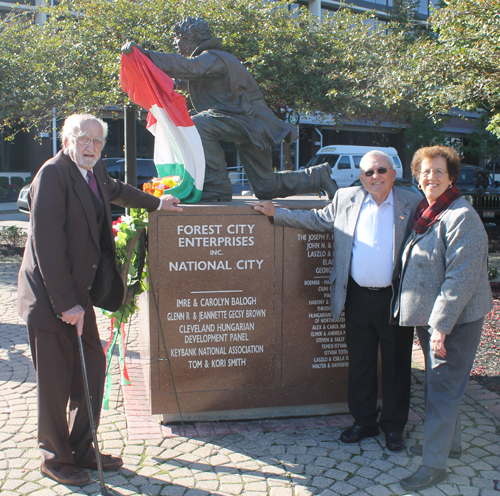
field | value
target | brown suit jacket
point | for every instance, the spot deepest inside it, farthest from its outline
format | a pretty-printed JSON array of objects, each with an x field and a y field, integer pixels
[{"x": 63, "y": 250}]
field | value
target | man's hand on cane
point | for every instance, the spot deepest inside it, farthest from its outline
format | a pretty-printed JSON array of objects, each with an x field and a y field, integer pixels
[{"x": 74, "y": 316}]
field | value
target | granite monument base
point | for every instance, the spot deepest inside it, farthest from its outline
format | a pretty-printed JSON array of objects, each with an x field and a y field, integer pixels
[{"x": 238, "y": 323}]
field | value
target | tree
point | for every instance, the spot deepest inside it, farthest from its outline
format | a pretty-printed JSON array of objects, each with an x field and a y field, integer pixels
[
  {"x": 457, "y": 67},
  {"x": 422, "y": 132},
  {"x": 72, "y": 61},
  {"x": 469, "y": 38},
  {"x": 482, "y": 143}
]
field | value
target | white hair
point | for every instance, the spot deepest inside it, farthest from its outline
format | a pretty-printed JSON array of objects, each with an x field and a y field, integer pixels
[
  {"x": 73, "y": 123},
  {"x": 376, "y": 153}
]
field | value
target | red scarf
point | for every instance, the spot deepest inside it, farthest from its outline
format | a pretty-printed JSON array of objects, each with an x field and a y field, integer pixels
[{"x": 426, "y": 214}]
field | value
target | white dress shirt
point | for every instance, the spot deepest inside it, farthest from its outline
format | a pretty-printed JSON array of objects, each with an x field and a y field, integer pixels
[
  {"x": 83, "y": 172},
  {"x": 372, "y": 251}
]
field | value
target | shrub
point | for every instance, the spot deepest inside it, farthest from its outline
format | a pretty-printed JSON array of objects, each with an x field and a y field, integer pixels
[
  {"x": 27, "y": 181},
  {"x": 17, "y": 180},
  {"x": 4, "y": 181},
  {"x": 3, "y": 192},
  {"x": 14, "y": 188},
  {"x": 13, "y": 236}
]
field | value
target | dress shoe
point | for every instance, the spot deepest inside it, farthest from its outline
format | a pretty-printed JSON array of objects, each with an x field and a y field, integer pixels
[
  {"x": 109, "y": 462},
  {"x": 424, "y": 477},
  {"x": 66, "y": 474},
  {"x": 357, "y": 432},
  {"x": 418, "y": 450},
  {"x": 394, "y": 441}
]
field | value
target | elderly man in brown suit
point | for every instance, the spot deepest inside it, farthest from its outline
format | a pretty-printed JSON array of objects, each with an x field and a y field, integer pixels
[
  {"x": 229, "y": 106},
  {"x": 68, "y": 266}
]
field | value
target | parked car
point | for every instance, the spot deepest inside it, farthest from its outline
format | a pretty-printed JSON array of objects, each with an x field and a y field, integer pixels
[
  {"x": 485, "y": 200},
  {"x": 22, "y": 200},
  {"x": 344, "y": 161},
  {"x": 493, "y": 167},
  {"x": 400, "y": 183},
  {"x": 146, "y": 170}
]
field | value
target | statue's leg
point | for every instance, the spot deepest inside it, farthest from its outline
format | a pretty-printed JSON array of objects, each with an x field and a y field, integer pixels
[
  {"x": 314, "y": 179},
  {"x": 267, "y": 184},
  {"x": 258, "y": 165},
  {"x": 217, "y": 186}
]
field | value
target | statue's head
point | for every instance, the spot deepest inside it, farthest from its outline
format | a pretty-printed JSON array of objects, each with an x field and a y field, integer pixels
[{"x": 191, "y": 33}]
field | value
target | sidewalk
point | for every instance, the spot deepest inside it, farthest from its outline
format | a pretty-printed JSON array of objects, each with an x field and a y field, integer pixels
[
  {"x": 276, "y": 457},
  {"x": 7, "y": 208}
]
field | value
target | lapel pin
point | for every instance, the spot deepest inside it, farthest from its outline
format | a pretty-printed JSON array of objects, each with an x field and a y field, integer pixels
[{"x": 402, "y": 217}]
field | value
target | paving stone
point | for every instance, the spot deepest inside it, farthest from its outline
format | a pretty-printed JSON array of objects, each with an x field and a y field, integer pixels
[
  {"x": 386, "y": 479},
  {"x": 337, "y": 475},
  {"x": 468, "y": 491},
  {"x": 231, "y": 488},
  {"x": 378, "y": 491},
  {"x": 342, "y": 488},
  {"x": 173, "y": 491},
  {"x": 489, "y": 492}
]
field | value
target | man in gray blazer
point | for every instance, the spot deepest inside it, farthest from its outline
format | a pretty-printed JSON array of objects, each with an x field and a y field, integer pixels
[
  {"x": 68, "y": 267},
  {"x": 370, "y": 224}
]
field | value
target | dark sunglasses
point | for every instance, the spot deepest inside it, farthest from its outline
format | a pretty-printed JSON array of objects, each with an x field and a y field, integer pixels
[{"x": 380, "y": 170}]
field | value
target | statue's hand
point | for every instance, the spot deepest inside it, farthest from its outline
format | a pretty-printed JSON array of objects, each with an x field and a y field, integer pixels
[{"x": 128, "y": 48}]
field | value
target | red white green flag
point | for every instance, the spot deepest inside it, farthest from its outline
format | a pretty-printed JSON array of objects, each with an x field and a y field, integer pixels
[{"x": 178, "y": 147}]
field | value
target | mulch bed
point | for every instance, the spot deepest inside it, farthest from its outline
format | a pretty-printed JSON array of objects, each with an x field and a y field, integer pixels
[
  {"x": 486, "y": 369},
  {"x": 493, "y": 231},
  {"x": 11, "y": 251}
]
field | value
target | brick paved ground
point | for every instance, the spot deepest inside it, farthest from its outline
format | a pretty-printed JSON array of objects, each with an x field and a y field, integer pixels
[{"x": 275, "y": 457}]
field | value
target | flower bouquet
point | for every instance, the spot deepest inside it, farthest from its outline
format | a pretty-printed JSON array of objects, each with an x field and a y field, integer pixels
[{"x": 159, "y": 186}]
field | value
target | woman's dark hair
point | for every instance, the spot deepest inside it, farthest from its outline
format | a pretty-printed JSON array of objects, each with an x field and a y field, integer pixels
[{"x": 449, "y": 154}]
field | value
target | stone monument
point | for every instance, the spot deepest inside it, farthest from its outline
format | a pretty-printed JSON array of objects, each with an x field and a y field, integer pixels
[{"x": 239, "y": 317}]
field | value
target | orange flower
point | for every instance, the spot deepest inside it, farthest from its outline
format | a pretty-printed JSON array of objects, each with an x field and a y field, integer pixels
[{"x": 157, "y": 186}]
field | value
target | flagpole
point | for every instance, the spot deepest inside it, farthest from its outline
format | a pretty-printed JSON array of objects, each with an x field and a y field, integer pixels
[{"x": 130, "y": 146}]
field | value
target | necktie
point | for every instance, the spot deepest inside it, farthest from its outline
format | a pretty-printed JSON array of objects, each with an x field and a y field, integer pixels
[{"x": 93, "y": 184}]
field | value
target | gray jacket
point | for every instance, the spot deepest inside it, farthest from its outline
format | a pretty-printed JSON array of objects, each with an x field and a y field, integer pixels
[
  {"x": 341, "y": 216},
  {"x": 445, "y": 272}
]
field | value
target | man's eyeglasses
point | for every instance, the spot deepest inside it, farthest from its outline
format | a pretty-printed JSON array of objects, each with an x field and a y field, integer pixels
[
  {"x": 380, "y": 170},
  {"x": 439, "y": 173},
  {"x": 83, "y": 139}
]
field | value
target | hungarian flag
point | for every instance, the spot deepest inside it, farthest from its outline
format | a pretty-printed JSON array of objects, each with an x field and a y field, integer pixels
[{"x": 178, "y": 147}]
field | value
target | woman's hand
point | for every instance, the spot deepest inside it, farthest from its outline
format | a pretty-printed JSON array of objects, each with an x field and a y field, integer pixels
[
  {"x": 265, "y": 207},
  {"x": 437, "y": 343}
]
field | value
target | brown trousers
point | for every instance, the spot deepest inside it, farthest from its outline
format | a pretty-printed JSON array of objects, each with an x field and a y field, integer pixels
[{"x": 64, "y": 439}]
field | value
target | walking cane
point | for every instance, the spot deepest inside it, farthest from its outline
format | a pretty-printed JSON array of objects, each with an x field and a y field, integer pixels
[
  {"x": 104, "y": 492},
  {"x": 91, "y": 416}
]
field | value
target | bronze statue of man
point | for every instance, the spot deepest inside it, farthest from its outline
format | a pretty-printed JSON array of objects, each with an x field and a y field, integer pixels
[{"x": 230, "y": 107}]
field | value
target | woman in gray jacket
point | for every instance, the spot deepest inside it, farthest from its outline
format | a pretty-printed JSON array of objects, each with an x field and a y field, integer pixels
[{"x": 445, "y": 294}]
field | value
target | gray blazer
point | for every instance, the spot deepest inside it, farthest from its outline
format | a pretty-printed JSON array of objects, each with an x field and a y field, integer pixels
[
  {"x": 445, "y": 272},
  {"x": 341, "y": 216}
]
